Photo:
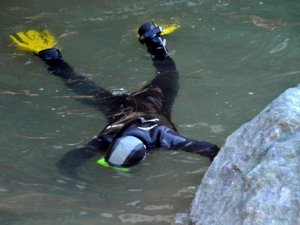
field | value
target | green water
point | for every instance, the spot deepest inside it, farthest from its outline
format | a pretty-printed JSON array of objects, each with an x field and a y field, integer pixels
[{"x": 234, "y": 58}]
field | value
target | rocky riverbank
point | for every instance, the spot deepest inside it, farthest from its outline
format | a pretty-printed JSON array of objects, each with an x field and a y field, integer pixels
[{"x": 255, "y": 179}]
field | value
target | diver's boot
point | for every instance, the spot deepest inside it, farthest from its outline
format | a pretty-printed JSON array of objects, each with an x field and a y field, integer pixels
[
  {"x": 150, "y": 34},
  {"x": 41, "y": 43},
  {"x": 50, "y": 54}
]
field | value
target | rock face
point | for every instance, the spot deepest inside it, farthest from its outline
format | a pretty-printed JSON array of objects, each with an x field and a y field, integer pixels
[{"x": 255, "y": 179}]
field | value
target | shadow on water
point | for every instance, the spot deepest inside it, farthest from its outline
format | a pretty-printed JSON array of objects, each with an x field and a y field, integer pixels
[{"x": 234, "y": 58}]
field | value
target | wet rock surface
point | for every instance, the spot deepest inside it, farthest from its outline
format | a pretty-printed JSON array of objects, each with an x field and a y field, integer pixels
[{"x": 255, "y": 179}]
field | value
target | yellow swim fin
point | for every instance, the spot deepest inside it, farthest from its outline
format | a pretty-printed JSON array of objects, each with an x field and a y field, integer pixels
[
  {"x": 168, "y": 28},
  {"x": 33, "y": 40}
]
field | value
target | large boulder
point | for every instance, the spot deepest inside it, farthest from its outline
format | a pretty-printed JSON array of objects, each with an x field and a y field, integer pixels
[{"x": 255, "y": 179}]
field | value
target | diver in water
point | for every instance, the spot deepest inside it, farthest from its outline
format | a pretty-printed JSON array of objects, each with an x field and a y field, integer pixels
[{"x": 137, "y": 122}]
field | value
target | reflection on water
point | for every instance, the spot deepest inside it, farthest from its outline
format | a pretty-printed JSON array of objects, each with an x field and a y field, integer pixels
[{"x": 234, "y": 58}]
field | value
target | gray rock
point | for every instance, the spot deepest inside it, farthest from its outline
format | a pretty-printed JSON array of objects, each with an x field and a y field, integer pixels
[{"x": 255, "y": 179}]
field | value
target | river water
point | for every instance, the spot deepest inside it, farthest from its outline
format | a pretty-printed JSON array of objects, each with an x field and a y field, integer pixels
[{"x": 234, "y": 57}]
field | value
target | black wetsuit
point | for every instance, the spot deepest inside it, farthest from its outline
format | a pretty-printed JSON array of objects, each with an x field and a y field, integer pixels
[{"x": 145, "y": 114}]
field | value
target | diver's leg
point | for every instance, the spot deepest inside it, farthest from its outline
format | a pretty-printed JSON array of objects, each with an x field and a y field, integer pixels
[
  {"x": 90, "y": 93},
  {"x": 166, "y": 78}
]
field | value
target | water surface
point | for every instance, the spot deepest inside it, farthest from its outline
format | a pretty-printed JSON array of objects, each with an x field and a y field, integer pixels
[{"x": 234, "y": 58}]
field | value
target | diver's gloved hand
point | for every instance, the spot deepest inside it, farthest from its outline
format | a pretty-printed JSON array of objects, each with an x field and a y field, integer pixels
[
  {"x": 150, "y": 34},
  {"x": 40, "y": 43}
]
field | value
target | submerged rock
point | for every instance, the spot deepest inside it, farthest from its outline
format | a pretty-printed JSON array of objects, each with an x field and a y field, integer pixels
[{"x": 255, "y": 179}]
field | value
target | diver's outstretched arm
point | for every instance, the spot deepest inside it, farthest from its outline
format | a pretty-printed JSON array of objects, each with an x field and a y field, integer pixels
[
  {"x": 75, "y": 158},
  {"x": 172, "y": 140}
]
